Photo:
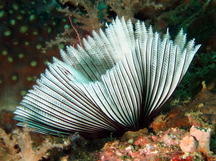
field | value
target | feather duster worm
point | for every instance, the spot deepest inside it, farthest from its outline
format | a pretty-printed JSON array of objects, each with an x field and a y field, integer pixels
[{"x": 118, "y": 80}]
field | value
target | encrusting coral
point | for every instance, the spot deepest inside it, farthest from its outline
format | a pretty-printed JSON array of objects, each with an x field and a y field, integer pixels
[{"x": 18, "y": 146}]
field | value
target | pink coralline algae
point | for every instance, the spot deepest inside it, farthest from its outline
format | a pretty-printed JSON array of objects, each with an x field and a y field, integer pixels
[
  {"x": 189, "y": 144},
  {"x": 203, "y": 137}
]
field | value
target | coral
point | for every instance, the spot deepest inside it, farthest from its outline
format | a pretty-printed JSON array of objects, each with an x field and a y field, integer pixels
[
  {"x": 91, "y": 21},
  {"x": 172, "y": 144},
  {"x": 129, "y": 8},
  {"x": 92, "y": 15},
  {"x": 19, "y": 146}
]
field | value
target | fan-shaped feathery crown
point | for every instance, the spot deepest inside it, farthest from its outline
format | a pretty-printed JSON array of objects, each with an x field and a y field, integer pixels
[{"x": 118, "y": 80}]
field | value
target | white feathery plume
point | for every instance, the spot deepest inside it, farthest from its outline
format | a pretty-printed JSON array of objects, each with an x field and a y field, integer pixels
[{"x": 118, "y": 80}]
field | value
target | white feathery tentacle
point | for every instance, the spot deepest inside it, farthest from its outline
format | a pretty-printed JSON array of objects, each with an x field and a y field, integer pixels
[{"x": 120, "y": 78}]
